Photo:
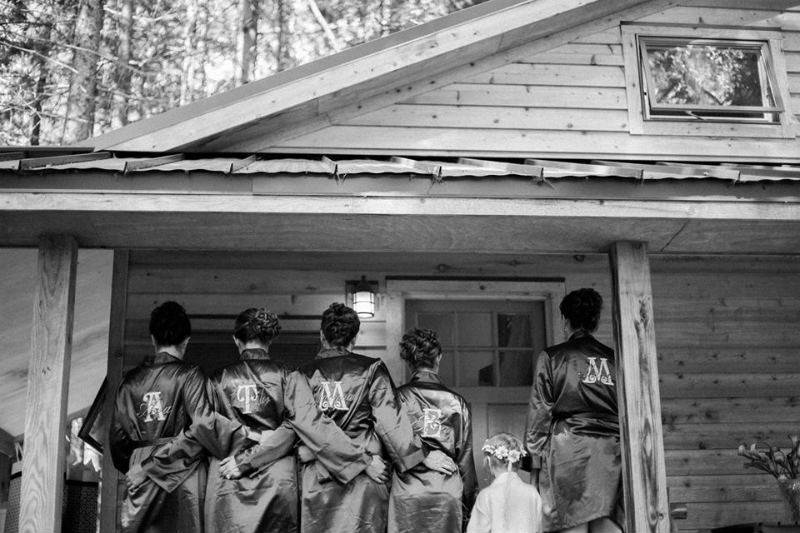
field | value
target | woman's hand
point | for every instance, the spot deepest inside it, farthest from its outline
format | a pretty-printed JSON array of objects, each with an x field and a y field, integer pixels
[
  {"x": 377, "y": 471},
  {"x": 136, "y": 478},
  {"x": 229, "y": 469},
  {"x": 438, "y": 461},
  {"x": 304, "y": 454}
]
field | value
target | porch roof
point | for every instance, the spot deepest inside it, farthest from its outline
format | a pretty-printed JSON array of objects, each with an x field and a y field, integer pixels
[
  {"x": 541, "y": 170},
  {"x": 170, "y": 201}
]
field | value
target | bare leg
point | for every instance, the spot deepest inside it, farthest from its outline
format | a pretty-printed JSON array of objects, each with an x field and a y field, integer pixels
[{"x": 603, "y": 525}]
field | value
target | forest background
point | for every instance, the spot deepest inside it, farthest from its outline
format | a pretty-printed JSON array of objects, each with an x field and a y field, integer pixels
[{"x": 71, "y": 69}]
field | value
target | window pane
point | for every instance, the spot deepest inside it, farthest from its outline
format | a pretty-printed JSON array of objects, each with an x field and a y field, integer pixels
[
  {"x": 441, "y": 323},
  {"x": 514, "y": 331},
  {"x": 474, "y": 329},
  {"x": 706, "y": 74},
  {"x": 516, "y": 368},
  {"x": 476, "y": 369},
  {"x": 447, "y": 368}
]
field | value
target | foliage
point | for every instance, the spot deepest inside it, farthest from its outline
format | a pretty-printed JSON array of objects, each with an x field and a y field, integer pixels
[
  {"x": 178, "y": 51},
  {"x": 706, "y": 75},
  {"x": 782, "y": 465}
]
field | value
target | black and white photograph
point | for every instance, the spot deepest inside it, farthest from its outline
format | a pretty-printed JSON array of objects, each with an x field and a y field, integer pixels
[{"x": 400, "y": 266}]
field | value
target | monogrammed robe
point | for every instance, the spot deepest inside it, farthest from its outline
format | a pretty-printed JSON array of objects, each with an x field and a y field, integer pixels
[
  {"x": 155, "y": 402},
  {"x": 252, "y": 392},
  {"x": 573, "y": 432},
  {"x": 421, "y": 499},
  {"x": 357, "y": 393}
]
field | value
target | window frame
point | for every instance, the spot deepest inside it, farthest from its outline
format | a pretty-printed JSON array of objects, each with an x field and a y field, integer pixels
[{"x": 635, "y": 37}]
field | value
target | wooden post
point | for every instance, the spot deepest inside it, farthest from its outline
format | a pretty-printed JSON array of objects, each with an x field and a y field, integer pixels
[
  {"x": 48, "y": 383},
  {"x": 116, "y": 339},
  {"x": 644, "y": 471}
]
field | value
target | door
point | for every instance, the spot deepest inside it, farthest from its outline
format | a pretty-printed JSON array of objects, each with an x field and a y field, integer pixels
[{"x": 490, "y": 349}]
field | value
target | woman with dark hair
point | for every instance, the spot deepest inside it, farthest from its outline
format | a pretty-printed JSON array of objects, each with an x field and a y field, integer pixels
[
  {"x": 357, "y": 393},
  {"x": 255, "y": 488},
  {"x": 422, "y": 499},
  {"x": 156, "y": 402},
  {"x": 573, "y": 427},
  {"x": 251, "y": 391}
]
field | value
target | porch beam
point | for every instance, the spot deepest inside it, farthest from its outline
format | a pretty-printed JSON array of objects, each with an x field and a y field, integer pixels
[
  {"x": 48, "y": 384},
  {"x": 644, "y": 470},
  {"x": 116, "y": 338}
]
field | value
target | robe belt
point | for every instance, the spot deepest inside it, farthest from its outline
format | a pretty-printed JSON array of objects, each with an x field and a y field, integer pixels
[{"x": 155, "y": 442}]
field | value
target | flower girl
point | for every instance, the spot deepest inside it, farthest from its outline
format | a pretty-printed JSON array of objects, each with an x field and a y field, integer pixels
[{"x": 508, "y": 505}]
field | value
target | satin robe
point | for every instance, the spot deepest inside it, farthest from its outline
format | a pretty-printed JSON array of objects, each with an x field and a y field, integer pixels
[
  {"x": 425, "y": 500},
  {"x": 358, "y": 394},
  {"x": 155, "y": 402},
  {"x": 252, "y": 392},
  {"x": 573, "y": 432}
]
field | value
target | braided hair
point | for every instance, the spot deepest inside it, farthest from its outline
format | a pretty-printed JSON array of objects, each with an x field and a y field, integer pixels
[
  {"x": 582, "y": 308},
  {"x": 169, "y": 324},
  {"x": 256, "y": 324},
  {"x": 340, "y": 325},
  {"x": 420, "y": 347}
]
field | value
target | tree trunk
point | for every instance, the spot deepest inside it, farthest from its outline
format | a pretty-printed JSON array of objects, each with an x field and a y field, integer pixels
[
  {"x": 42, "y": 47},
  {"x": 189, "y": 63},
  {"x": 246, "y": 40},
  {"x": 202, "y": 47},
  {"x": 283, "y": 58},
  {"x": 84, "y": 85},
  {"x": 124, "y": 31},
  {"x": 385, "y": 14}
]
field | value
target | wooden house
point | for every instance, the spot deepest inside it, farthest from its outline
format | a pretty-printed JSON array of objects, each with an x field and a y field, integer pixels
[{"x": 476, "y": 168}]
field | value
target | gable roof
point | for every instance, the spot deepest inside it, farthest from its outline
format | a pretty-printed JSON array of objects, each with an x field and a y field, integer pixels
[{"x": 364, "y": 71}]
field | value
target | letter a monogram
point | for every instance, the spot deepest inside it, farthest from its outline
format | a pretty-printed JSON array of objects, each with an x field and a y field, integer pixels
[
  {"x": 601, "y": 373},
  {"x": 247, "y": 394},
  {"x": 332, "y": 397},
  {"x": 431, "y": 422},
  {"x": 153, "y": 407}
]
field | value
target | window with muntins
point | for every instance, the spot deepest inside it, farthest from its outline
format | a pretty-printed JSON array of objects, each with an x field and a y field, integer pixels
[{"x": 705, "y": 81}]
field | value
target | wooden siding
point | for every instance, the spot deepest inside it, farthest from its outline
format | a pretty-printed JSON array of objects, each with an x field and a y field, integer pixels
[
  {"x": 89, "y": 337},
  {"x": 569, "y": 101},
  {"x": 728, "y": 360},
  {"x": 725, "y": 330}
]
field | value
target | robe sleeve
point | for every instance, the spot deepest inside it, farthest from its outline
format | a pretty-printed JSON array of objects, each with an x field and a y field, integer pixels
[
  {"x": 392, "y": 422},
  {"x": 334, "y": 449},
  {"x": 466, "y": 462},
  {"x": 209, "y": 432},
  {"x": 540, "y": 411},
  {"x": 480, "y": 521},
  {"x": 120, "y": 442}
]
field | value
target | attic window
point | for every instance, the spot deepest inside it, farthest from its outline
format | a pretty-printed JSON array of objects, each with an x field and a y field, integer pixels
[
  {"x": 708, "y": 79},
  {"x": 701, "y": 80}
]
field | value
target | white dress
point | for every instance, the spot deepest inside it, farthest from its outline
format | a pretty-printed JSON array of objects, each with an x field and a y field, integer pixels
[{"x": 508, "y": 505}]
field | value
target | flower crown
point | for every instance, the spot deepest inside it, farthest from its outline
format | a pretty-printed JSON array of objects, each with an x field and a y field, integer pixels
[{"x": 503, "y": 453}]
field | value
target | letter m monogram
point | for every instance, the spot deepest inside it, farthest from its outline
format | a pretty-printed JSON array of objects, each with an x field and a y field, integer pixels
[
  {"x": 332, "y": 397},
  {"x": 599, "y": 373}
]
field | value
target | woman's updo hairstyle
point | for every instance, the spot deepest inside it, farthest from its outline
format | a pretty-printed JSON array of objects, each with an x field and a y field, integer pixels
[
  {"x": 420, "y": 347},
  {"x": 256, "y": 324},
  {"x": 340, "y": 325},
  {"x": 582, "y": 309},
  {"x": 169, "y": 324}
]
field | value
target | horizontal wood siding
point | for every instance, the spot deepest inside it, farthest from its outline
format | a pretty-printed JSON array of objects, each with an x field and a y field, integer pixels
[
  {"x": 726, "y": 332},
  {"x": 728, "y": 361},
  {"x": 567, "y": 101}
]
